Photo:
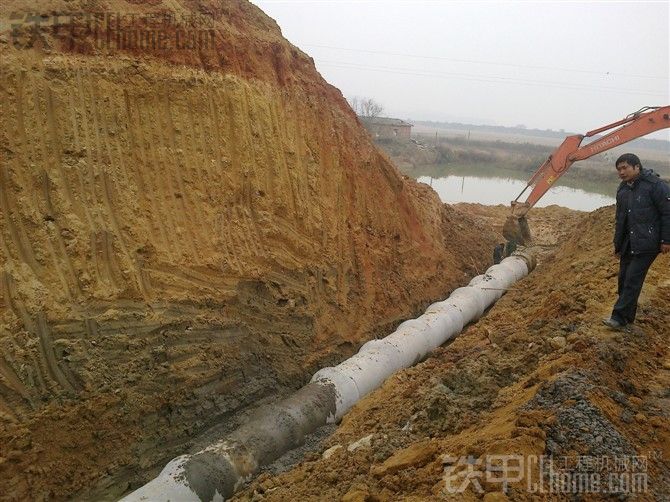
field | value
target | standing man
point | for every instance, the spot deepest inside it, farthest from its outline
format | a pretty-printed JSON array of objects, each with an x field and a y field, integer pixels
[{"x": 642, "y": 231}]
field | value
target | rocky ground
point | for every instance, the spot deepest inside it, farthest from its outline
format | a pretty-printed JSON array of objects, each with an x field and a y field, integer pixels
[{"x": 539, "y": 375}]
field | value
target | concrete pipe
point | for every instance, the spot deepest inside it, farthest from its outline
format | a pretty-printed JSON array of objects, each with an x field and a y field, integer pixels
[{"x": 216, "y": 472}]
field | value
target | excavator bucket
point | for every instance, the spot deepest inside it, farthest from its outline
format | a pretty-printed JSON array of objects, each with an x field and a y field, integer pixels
[{"x": 516, "y": 230}]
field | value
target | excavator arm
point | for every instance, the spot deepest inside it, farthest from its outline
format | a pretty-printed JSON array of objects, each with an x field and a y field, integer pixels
[{"x": 635, "y": 125}]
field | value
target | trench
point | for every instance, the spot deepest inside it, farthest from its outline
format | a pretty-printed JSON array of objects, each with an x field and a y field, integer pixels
[{"x": 219, "y": 470}]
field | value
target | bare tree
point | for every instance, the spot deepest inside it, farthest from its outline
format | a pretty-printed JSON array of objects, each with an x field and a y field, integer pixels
[
  {"x": 370, "y": 108},
  {"x": 365, "y": 107},
  {"x": 355, "y": 104}
]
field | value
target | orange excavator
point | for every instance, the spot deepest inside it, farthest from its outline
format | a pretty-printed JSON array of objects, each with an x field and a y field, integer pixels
[{"x": 635, "y": 125}]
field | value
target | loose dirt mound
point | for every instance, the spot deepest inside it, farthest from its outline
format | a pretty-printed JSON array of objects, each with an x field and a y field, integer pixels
[
  {"x": 183, "y": 232},
  {"x": 550, "y": 226},
  {"x": 539, "y": 375}
]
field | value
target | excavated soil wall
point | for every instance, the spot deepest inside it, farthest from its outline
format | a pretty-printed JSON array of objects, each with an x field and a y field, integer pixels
[{"x": 183, "y": 233}]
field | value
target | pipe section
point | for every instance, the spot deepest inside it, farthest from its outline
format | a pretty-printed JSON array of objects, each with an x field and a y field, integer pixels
[{"x": 216, "y": 472}]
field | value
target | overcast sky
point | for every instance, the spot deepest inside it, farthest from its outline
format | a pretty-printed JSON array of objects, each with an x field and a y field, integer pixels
[{"x": 551, "y": 65}]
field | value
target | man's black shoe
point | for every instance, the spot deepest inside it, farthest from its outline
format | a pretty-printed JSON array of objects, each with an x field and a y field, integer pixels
[{"x": 614, "y": 324}]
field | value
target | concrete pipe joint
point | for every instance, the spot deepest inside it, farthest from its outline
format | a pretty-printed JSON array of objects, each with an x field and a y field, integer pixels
[{"x": 216, "y": 472}]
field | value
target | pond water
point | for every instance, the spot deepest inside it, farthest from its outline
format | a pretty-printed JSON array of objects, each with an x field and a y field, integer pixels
[{"x": 492, "y": 191}]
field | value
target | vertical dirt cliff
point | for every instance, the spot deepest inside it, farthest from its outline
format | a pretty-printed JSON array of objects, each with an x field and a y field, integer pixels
[{"x": 185, "y": 231}]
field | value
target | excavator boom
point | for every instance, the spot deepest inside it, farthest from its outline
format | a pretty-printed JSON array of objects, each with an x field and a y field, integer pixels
[{"x": 635, "y": 125}]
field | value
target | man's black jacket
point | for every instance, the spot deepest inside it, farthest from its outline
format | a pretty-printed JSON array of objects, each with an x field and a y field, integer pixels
[{"x": 642, "y": 214}]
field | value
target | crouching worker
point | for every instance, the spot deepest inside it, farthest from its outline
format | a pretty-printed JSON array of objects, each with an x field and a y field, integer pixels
[{"x": 642, "y": 230}]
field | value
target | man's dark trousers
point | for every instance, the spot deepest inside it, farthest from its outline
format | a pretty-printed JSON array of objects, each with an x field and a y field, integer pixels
[{"x": 632, "y": 271}]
